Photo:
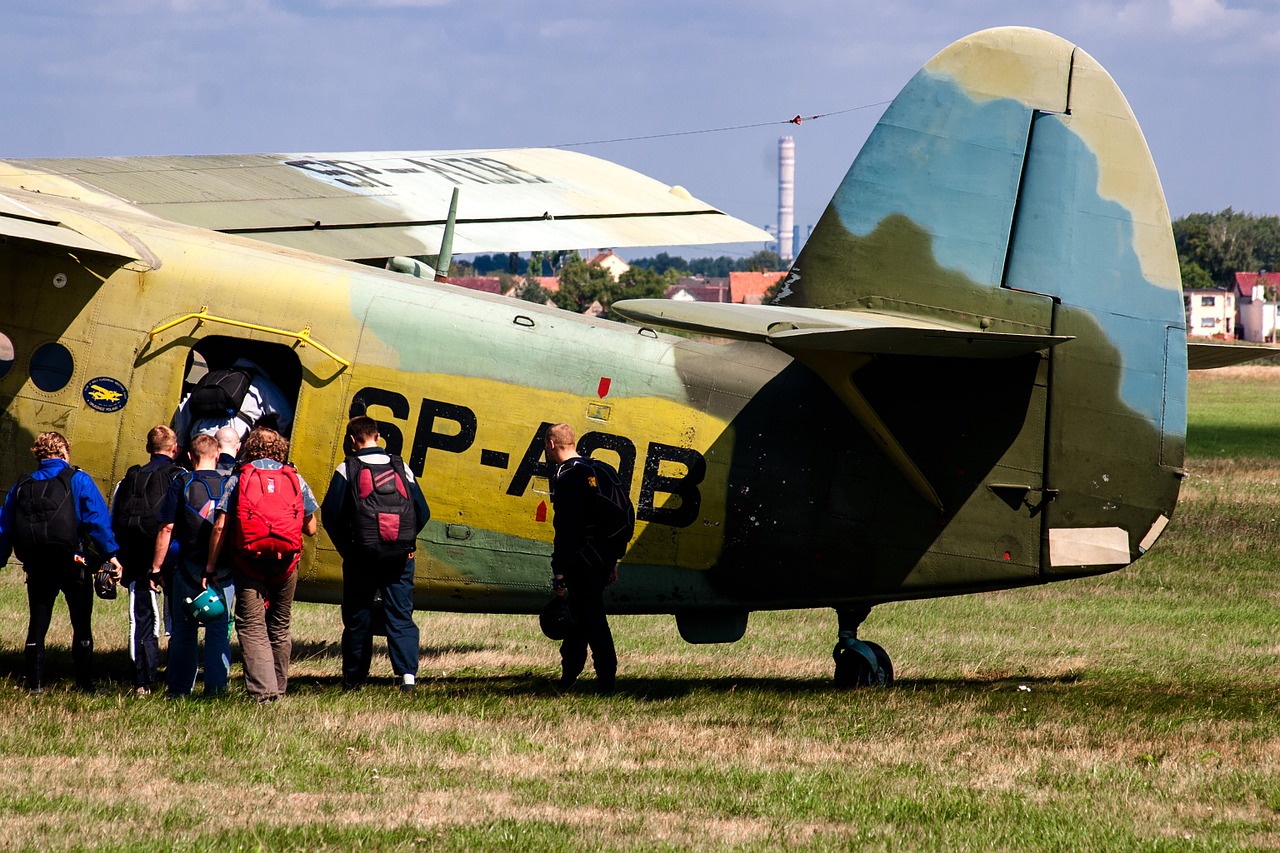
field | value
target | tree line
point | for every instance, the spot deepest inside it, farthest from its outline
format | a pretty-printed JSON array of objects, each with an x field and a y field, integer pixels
[
  {"x": 582, "y": 284},
  {"x": 1213, "y": 247},
  {"x": 548, "y": 263}
]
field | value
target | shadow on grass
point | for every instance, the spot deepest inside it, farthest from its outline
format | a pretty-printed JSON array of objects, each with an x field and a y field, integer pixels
[
  {"x": 659, "y": 689},
  {"x": 332, "y": 649},
  {"x": 1082, "y": 692},
  {"x": 109, "y": 666},
  {"x": 1122, "y": 691}
]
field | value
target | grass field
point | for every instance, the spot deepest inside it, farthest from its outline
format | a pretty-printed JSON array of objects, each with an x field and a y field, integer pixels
[{"x": 1137, "y": 711}]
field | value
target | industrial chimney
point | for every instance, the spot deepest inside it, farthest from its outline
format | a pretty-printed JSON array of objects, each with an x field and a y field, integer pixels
[{"x": 786, "y": 197}]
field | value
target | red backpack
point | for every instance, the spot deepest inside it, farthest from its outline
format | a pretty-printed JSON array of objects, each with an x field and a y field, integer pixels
[{"x": 269, "y": 514}]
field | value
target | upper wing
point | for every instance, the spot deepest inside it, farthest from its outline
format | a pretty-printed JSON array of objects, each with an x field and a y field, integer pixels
[{"x": 377, "y": 205}]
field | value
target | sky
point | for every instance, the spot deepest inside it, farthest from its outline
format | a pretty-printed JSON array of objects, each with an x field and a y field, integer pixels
[{"x": 695, "y": 92}]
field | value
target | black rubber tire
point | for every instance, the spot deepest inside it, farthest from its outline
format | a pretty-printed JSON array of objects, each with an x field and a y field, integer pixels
[
  {"x": 882, "y": 658},
  {"x": 852, "y": 669}
]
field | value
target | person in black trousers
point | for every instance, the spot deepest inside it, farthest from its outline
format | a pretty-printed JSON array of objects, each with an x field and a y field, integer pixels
[
  {"x": 577, "y": 567},
  {"x": 49, "y": 545},
  {"x": 373, "y": 511}
]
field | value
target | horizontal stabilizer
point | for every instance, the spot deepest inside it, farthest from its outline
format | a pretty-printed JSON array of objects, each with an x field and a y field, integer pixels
[
  {"x": 1206, "y": 355},
  {"x": 795, "y": 330}
]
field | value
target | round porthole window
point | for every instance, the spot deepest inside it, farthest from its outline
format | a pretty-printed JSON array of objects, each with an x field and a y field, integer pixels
[
  {"x": 51, "y": 367},
  {"x": 6, "y": 355}
]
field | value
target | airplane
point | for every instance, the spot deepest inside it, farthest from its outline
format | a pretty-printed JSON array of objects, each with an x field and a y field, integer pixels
[{"x": 973, "y": 377}]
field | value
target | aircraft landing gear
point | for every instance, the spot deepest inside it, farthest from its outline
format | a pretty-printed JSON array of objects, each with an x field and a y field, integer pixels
[{"x": 859, "y": 663}]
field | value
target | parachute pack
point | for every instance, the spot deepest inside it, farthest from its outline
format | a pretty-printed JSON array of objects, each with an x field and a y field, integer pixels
[
  {"x": 267, "y": 531},
  {"x": 201, "y": 492},
  {"x": 135, "y": 507},
  {"x": 612, "y": 515},
  {"x": 45, "y": 523},
  {"x": 384, "y": 521},
  {"x": 220, "y": 394}
]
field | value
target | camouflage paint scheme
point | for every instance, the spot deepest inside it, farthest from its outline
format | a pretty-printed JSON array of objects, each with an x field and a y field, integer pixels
[
  {"x": 1029, "y": 199},
  {"x": 1008, "y": 190}
]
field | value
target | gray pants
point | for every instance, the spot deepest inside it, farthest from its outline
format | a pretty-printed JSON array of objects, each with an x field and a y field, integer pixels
[{"x": 264, "y": 609}]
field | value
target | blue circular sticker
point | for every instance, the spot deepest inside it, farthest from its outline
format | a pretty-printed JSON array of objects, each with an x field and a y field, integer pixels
[{"x": 105, "y": 394}]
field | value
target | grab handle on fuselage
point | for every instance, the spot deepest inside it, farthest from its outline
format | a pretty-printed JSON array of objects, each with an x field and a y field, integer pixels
[{"x": 202, "y": 316}]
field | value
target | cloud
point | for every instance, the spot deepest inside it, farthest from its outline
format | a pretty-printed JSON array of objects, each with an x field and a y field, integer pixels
[{"x": 1191, "y": 15}]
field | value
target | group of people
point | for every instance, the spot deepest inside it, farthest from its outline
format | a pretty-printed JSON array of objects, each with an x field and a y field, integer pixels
[{"x": 230, "y": 515}]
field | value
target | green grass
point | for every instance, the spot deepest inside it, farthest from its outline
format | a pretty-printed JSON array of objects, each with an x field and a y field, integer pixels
[
  {"x": 1234, "y": 418},
  {"x": 1135, "y": 711}
]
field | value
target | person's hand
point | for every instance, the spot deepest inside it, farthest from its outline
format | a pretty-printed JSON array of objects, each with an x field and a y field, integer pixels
[
  {"x": 117, "y": 570},
  {"x": 156, "y": 581},
  {"x": 558, "y": 585}
]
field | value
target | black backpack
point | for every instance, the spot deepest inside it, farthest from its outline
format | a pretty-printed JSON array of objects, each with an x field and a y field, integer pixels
[
  {"x": 135, "y": 507},
  {"x": 220, "y": 394},
  {"x": 45, "y": 522},
  {"x": 383, "y": 520},
  {"x": 612, "y": 516},
  {"x": 200, "y": 498}
]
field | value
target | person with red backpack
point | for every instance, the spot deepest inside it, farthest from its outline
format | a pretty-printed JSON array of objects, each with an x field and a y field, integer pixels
[
  {"x": 373, "y": 510},
  {"x": 47, "y": 517},
  {"x": 265, "y": 510},
  {"x": 135, "y": 507}
]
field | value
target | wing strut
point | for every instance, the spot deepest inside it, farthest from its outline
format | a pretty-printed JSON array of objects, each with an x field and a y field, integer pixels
[
  {"x": 837, "y": 369},
  {"x": 446, "y": 242}
]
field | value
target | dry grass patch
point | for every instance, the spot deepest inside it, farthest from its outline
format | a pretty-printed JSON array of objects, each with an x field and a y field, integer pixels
[{"x": 1134, "y": 711}]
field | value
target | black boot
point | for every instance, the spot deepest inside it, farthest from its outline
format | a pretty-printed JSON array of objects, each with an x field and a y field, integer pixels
[
  {"x": 82, "y": 658},
  {"x": 35, "y": 667}
]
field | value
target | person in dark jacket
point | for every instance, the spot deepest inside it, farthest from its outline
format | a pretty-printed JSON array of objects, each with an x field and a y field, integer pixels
[
  {"x": 371, "y": 566},
  {"x": 577, "y": 568},
  {"x": 51, "y": 568},
  {"x": 137, "y": 546},
  {"x": 186, "y": 517}
]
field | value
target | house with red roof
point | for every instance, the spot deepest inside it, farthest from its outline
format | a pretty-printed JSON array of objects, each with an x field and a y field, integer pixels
[
  {"x": 610, "y": 261},
  {"x": 749, "y": 288},
  {"x": 482, "y": 283},
  {"x": 1257, "y": 295},
  {"x": 699, "y": 289}
]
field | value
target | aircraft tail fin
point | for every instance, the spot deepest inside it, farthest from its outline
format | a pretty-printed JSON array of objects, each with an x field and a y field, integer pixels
[
  {"x": 1011, "y": 161},
  {"x": 1009, "y": 189}
]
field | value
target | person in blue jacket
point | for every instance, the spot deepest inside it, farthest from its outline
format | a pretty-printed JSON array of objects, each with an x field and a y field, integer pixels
[{"x": 47, "y": 517}]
